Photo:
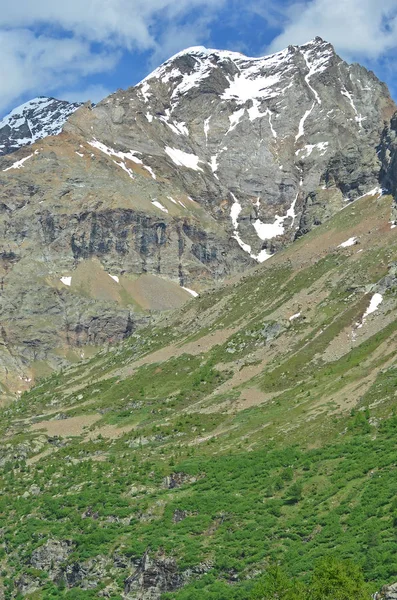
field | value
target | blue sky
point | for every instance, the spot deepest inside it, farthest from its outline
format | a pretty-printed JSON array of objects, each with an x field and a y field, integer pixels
[{"x": 86, "y": 50}]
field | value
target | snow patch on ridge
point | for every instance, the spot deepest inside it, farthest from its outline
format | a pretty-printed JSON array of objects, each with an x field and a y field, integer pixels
[
  {"x": 248, "y": 85},
  {"x": 145, "y": 91},
  {"x": 350, "y": 242},
  {"x": 159, "y": 205},
  {"x": 308, "y": 149},
  {"x": 123, "y": 155},
  {"x": 268, "y": 231},
  {"x": 192, "y": 292},
  {"x": 186, "y": 81},
  {"x": 374, "y": 304},
  {"x": 251, "y": 84},
  {"x": 234, "y": 214},
  {"x": 18, "y": 164},
  {"x": 183, "y": 159}
]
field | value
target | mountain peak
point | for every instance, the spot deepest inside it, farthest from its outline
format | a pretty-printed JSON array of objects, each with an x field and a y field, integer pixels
[
  {"x": 33, "y": 120},
  {"x": 203, "y": 51},
  {"x": 190, "y": 67}
]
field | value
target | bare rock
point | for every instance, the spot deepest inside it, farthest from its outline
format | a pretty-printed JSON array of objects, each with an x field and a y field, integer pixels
[
  {"x": 153, "y": 576},
  {"x": 389, "y": 592}
]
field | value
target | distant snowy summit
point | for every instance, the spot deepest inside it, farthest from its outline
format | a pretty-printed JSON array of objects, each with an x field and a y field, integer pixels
[
  {"x": 33, "y": 121},
  {"x": 244, "y": 78}
]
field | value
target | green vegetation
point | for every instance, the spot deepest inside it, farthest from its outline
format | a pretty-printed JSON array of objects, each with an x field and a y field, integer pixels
[{"x": 254, "y": 452}]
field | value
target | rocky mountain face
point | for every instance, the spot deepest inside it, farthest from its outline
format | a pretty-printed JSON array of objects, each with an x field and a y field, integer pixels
[
  {"x": 205, "y": 168},
  {"x": 33, "y": 121},
  {"x": 388, "y": 157},
  {"x": 273, "y": 135}
]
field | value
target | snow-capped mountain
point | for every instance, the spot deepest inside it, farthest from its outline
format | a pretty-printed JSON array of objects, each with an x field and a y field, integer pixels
[
  {"x": 211, "y": 164},
  {"x": 32, "y": 121},
  {"x": 261, "y": 134}
]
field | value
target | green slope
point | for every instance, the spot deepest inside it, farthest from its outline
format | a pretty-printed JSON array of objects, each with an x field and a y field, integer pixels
[{"x": 226, "y": 439}]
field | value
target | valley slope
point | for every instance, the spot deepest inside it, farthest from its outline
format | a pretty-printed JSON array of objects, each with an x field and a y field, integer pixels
[{"x": 254, "y": 426}]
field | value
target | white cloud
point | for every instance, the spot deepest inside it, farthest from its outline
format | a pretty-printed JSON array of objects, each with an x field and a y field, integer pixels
[
  {"x": 117, "y": 22},
  {"x": 31, "y": 64},
  {"x": 359, "y": 29},
  {"x": 49, "y": 45},
  {"x": 94, "y": 93}
]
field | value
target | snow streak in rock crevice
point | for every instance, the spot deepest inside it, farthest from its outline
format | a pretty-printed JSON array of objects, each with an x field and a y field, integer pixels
[
  {"x": 358, "y": 118},
  {"x": 254, "y": 113},
  {"x": 301, "y": 127},
  {"x": 207, "y": 129},
  {"x": 312, "y": 69}
]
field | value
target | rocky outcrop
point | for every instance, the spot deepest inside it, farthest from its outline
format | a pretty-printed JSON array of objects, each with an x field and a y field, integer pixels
[
  {"x": 175, "y": 480},
  {"x": 51, "y": 557},
  {"x": 389, "y": 592},
  {"x": 153, "y": 577},
  {"x": 388, "y": 156},
  {"x": 18, "y": 453}
]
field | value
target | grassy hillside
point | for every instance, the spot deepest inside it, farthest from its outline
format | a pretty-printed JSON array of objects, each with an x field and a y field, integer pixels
[{"x": 254, "y": 428}]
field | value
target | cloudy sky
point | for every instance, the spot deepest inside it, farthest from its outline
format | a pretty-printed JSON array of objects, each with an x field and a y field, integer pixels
[{"x": 84, "y": 50}]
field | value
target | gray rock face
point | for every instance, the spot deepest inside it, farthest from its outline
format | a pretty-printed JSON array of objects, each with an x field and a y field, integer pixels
[
  {"x": 146, "y": 578},
  {"x": 389, "y": 592},
  {"x": 388, "y": 157},
  {"x": 153, "y": 577},
  {"x": 205, "y": 168},
  {"x": 51, "y": 557},
  {"x": 32, "y": 121}
]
